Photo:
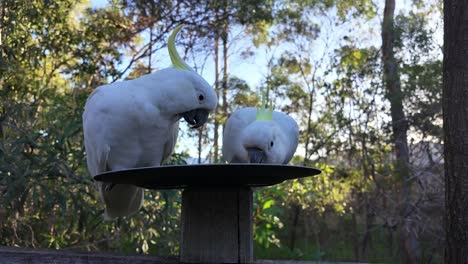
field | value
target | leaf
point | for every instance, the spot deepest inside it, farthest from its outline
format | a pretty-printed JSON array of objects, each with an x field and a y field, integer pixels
[{"x": 268, "y": 204}]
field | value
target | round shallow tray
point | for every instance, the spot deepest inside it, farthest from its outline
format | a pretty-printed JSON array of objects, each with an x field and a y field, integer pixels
[{"x": 207, "y": 175}]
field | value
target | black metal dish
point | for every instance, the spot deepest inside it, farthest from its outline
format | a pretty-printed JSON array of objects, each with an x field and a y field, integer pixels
[{"x": 207, "y": 175}]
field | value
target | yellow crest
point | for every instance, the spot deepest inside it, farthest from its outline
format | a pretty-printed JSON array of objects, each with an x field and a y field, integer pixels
[
  {"x": 263, "y": 113},
  {"x": 177, "y": 61}
]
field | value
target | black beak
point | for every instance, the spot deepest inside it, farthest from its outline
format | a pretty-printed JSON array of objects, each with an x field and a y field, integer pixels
[
  {"x": 256, "y": 155},
  {"x": 196, "y": 118}
]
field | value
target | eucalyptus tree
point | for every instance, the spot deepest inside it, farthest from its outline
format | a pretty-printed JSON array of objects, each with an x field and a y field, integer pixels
[
  {"x": 53, "y": 55},
  {"x": 455, "y": 124}
]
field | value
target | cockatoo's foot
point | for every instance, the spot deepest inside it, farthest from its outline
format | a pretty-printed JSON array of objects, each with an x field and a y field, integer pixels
[{"x": 109, "y": 187}]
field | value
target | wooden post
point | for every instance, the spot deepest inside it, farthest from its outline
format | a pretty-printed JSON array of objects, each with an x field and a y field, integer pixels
[{"x": 217, "y": 226}]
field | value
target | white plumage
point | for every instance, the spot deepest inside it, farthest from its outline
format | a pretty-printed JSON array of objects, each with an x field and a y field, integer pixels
[
  {"x": 135, "y": 123},
  {"x": 248, "y": 140}
]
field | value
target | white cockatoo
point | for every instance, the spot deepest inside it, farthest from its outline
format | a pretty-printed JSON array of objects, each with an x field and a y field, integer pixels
[
  {"x": 135, "y": 123},
  {"x": 258, "y": 135}
]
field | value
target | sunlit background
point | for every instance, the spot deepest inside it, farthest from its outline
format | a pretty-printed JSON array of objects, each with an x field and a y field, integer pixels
[{"x": 322, "y": 63}]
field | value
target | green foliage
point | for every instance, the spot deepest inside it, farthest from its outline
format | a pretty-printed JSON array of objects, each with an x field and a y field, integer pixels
[
  {"x": 47, "y": 198},
  {"x": 354, "y": 59},
  {"x": 54, "y": 53},
  {"x": 364, "y": 8},
  {"x": 242, "y": 95}
]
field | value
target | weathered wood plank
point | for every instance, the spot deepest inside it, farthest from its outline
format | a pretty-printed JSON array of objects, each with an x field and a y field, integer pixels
[
  {"x": 11, "y": 255},
  {"x": 301, "y": 262},
  {"x": 245, "y": 207},
  {"x": 217, "y": 226}
]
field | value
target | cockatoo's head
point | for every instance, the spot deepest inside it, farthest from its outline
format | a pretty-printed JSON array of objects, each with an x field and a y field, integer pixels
[
  {"x": 194, "y": 96},
  {"x": 263, "y": 142}
]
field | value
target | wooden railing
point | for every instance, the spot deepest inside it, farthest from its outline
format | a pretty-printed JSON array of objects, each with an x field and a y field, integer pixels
[{"x": 12, "y": 255}]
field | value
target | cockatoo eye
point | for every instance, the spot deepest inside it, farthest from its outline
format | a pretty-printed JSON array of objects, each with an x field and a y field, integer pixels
[
  {"x": 272, "y": 144},
  {"x": 201, "y": 97}
]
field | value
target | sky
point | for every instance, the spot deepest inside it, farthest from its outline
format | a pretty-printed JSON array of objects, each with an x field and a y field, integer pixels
[{"x": 251, "y": 70}]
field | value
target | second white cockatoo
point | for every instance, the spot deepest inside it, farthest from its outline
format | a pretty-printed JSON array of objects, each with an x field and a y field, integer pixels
[
  {"x": 260, "y": 135},
  {"x": 135, "y": 123}
]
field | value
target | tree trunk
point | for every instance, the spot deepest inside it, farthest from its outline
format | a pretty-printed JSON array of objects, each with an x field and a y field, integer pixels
[
  {"x": 3, "y": 111},
  {"x": 355, "y": 237},
  {"x": 394, "y": 94},
  {"x": 150, "y": 46},
  {"x": 215, "y": 113},
  {"x": 2, "y": 16},
  {"x": 292, "y": 239},
  {"x": 367, "y": 236},
  {"x": 309, "y": 124},
  {"x": 455, "y": 108},
  {"x": 390, "y": 242},
  {"x": 150, "y": 49},
  {"x": 224, "y": 37},
  {"x": 200, "y": 144}
]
